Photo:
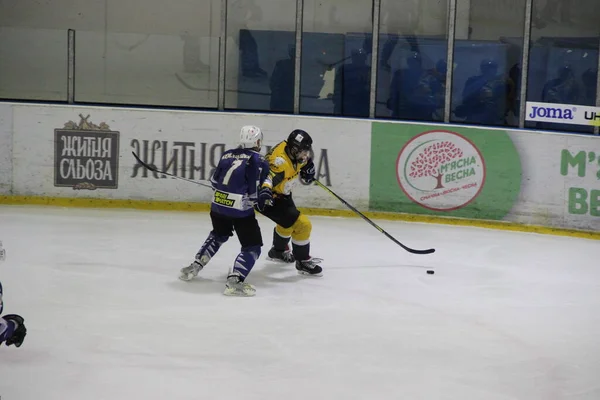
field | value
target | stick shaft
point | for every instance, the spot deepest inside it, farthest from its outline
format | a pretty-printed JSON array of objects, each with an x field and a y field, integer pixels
[
  {"x": 373, "y": 224},
  {"x": 154, "y": 169}
]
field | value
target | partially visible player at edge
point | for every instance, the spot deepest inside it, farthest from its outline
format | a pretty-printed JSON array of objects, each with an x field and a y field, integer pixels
[
  {"x": 12, "y": 326},
  {"x": 236, "y": 180},
  {"x": 290, "y": 161}
]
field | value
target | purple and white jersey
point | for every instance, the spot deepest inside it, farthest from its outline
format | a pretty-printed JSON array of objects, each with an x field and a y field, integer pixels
[
  {"x": 5, "y": 329},
  {"x": 236, "y": 180}
]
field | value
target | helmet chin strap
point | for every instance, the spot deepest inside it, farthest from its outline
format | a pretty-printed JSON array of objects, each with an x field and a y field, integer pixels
[
  {"x": 289, "y": 152},
  {"x": 294, "y": 155},
  {"x": 305, "y": 154}
]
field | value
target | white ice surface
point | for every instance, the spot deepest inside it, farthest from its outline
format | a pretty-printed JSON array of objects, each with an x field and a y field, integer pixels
[{"x": 506, "y": 316}]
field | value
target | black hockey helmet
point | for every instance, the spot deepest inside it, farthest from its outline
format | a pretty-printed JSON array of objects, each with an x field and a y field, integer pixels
[{"x": 298, "y": 142}]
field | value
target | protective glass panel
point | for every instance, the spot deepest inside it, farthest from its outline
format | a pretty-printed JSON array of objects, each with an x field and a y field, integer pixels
[
  {"x": 563, "y": 64},
  {"x": 487, "y": 62},
  {"x": 411, "y": 76},
  {"x": 260, "y": 55}
]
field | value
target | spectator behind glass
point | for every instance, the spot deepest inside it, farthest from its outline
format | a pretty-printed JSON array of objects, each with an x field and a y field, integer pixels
[
  {"x": 352, "y": 86},
  {"x": 486, "y": 97},
  {"x": 589, "y": 86},
  {"x": 417, "y": 93},
  {"x": 242, "y": 12},
  {"x": 563, "y": 89},
  {"x": 282, "y": 83}
]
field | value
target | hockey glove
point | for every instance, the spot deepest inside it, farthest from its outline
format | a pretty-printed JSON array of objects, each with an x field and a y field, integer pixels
[
  {"x": 265, "y": 198},
  {"x": 307, "y": 173},
  {"x": 20, "y": 331}
]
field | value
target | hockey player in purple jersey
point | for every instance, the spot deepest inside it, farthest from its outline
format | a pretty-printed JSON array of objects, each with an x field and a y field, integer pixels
[
  {"x": 236, "y": 182},
  {"x": 12, "y": 328}
]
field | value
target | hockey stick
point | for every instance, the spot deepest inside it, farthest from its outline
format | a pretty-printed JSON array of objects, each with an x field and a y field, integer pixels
[
  {"x": 133, "y": 46},
  {"x": 330, "y": 66},
  {"x": 428, "y": 251},
  {"x": 154, "y": 169}
]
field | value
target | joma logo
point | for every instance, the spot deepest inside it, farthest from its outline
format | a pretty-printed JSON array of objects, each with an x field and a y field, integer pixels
[{"x": 551, "y": 112}]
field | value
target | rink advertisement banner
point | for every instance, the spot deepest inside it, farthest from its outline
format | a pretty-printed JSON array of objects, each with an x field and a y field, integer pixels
[
  {"x": 86, "y": 156},
  {"x": 561, "y": 180},
  {"x": 68, "y": 151},
  {"x": 536, "y": 178},
  {"x": 546, "y": 179},
  {"x": 449, "y": 171},
  {"x": 563, "y": 113}
]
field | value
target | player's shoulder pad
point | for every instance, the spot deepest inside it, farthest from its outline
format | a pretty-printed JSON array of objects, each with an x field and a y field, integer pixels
[
  {"x": 279, "y": 162},
  {"x": 258, "y": 160}
]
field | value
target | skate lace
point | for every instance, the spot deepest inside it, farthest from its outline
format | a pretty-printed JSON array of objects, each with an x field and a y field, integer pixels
[
  {"x": 310, "y": 263},
  {"x": 193, "y": 267},
  {"x": 287, "y": 256},
  {"x": 284, "y": 255}
]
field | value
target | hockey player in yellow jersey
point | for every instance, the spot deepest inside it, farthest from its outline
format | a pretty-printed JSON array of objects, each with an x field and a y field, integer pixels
[{"x": 289, "y": 162}]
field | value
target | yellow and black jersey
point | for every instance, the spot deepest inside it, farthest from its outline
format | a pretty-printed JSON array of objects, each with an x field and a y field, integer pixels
[{"x": 283, "y": 173}]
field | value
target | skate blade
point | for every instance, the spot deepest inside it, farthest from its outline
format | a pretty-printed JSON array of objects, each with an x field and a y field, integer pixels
[
  {"x": 277, "y": 260},
  {"x": 316, "y": 260},
  {"x": 239, "y": 293},
  {"x": 186, "y": 277},
  {"x": 304, "y": 273}
]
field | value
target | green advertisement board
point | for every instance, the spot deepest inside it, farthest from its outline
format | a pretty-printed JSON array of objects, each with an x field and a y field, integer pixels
[{"x": 450, "y": 171}]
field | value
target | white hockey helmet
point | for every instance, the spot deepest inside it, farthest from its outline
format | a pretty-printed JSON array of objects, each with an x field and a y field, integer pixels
[{"x": 251, "y": 137}]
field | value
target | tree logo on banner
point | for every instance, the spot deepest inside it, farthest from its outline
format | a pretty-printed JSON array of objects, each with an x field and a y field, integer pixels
[{"x": 441, "y": 170}]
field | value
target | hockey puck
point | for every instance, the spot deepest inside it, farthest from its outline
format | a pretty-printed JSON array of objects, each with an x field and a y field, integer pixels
[{"x": 430, "y": 271}]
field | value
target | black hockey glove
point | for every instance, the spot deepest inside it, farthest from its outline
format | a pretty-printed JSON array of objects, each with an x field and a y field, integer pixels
[
  {"x": 265, "y": 198},
  {"x": 20, "y": 331},
  {"x": 307, "y": 173}
]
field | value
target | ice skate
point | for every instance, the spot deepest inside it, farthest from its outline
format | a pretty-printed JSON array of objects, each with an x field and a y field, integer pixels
[
  {"x": 236, "y": 287},
  {"x": 309, "y": 267},
  {"x": 190, "y": 272},
  {"x": 285, "y": 256}
]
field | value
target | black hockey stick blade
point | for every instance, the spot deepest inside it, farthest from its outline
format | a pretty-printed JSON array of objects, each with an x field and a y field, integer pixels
[
  {"x": 154, "y": 169},
  {"x": 393, "y": 239}
]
